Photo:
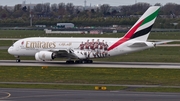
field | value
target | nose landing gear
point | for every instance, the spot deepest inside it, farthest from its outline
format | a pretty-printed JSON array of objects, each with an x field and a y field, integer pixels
[{"x": 18, "y": 59}]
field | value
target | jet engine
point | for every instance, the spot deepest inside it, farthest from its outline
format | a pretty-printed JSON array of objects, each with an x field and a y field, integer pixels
[{"x": 44, "y": 56}]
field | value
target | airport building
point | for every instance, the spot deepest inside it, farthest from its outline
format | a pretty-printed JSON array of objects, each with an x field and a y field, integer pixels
[{"x": 65, "y": 25}]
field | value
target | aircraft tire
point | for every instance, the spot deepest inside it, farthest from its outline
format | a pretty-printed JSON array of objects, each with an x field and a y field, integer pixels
[
  {"x": 84, "y": 61},
  {"x": 78, "y": 61},
  {"x": 69, "y": 61},
  {"x": 18, "y": 60},
  {"x": 90, "y": 61}
]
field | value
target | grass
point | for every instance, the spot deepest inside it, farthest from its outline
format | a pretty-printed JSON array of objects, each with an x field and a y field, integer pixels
[
  {"x": 6, "y": 42},
  {"x": 164, "y": 35},
  {"x": 175, "y": 42},
  {"x": 164, "y": 77},
  {"x": 84, "y": 75},
  {"x": 56, "y": 86},
  {"x": 37, "y": 33},
  {"x": 20, "y": 33}
]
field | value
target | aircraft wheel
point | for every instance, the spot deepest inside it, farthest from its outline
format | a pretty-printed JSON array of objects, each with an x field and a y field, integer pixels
[
  {"x": 77, "y": 61},
  {"x": 90, "y": 61},
  {"x": 72, "y": 61},
  {"x": 83, "y": 61},
  {"x": 69, "y": 61},
  {"x": 18, "y": 60}
]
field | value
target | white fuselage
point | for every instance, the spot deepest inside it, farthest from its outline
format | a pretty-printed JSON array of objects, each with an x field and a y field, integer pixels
[{"x": 82, "y": 47}]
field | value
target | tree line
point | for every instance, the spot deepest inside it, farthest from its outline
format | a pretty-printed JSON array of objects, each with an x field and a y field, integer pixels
[{"x": 104, "y": 15}]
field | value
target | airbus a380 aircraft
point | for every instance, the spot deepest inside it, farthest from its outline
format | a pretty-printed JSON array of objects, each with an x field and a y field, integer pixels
[{"x": 84, "y": 49}]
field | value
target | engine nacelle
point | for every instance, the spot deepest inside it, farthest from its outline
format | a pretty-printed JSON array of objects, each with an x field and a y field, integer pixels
[{"x": 44, "y": 56}]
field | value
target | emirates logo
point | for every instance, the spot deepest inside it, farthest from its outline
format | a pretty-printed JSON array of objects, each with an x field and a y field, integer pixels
[{"x": 22, "y": 42}]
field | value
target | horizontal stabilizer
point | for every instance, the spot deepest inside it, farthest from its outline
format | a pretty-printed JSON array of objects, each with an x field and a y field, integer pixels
[
  {"x": 163, "y": 42},
  {"x": 138, "y": 44}
]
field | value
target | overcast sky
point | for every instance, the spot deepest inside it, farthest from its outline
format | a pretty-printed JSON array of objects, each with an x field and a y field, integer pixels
[{"x": 92, "y": 2}]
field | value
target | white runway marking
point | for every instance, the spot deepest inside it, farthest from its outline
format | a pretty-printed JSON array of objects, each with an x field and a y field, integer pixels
[{"x": 4, "y": 97}]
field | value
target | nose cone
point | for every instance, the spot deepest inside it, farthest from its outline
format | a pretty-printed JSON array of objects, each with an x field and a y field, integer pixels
[{"x": 10, "y": 50}]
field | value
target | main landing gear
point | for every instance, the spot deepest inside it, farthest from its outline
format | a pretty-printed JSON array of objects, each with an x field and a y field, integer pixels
[
  {"x": 79, "y": 61},
  {"x": 69, "y": 61}
]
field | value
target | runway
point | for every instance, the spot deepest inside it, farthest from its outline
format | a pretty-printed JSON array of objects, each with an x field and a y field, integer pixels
[
  {"x": 7, "y": 94},
  {"x": 95, "y": 64},
  {"x": 12, "y": 94}
]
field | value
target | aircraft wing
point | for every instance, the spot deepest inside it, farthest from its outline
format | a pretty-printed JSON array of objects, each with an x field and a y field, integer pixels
[{"x": 64, "y": 53}]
